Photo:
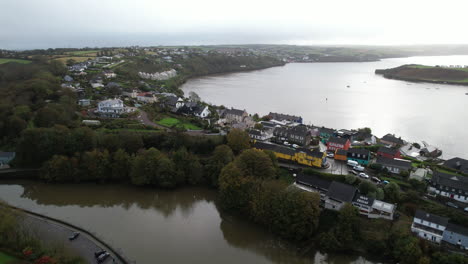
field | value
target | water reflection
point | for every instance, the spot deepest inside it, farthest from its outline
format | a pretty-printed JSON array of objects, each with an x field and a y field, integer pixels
[{"x": 181, "y": 226}]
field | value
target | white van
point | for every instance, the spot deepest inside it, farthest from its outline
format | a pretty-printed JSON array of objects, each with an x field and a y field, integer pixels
[
  {"x": 358, "y": 168},
  {"x": 352, "y": 163}
]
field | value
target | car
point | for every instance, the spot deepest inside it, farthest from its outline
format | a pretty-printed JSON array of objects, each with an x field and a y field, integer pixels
[
  {"x": 74, "y": 236},
  {"x": 466, "y": 209},
  {"x": 286, "y": 143},
  {"x": 353, "y": 172},
  {"x": 358, "y": 168},
  {"x": 99, "y": 253},
  {"x": 363, "y": 175},
  {"x": 450, "y": 204},
  {"x": 375, "y": 179},
  {"x": 295, "y": 145},
  {"x": 385, "y": 182},
  {"x": 103, "y": 257},
  {"x": 330, "y": 155},
  {"x": 352, "y": 163}
]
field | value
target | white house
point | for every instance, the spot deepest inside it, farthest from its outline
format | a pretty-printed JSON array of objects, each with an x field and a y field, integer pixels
[
  {"x": 203, "y": 113},
  {"x": 109, "y": 74},
  {"x": 146, "y": 97},
  {"x": 428, "y": 226},
  {"x": 112, "y": 108}
]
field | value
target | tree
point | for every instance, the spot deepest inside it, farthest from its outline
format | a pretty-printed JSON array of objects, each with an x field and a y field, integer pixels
[
  {"x": 144, "y": 168},
  {"x": 120, "y": 165},
  {"x": 256, "y": 163},
  {"x": 188, "y": 167},
  {"x": 347, "y": 229},
  {"x": 366, "y": 187},
  {"x": 165, "y": 176},
  {"x": 235, "y": 189},
  {"x": 222, "y": 155},
  {"x": 392, "y": 192},
  {"x": 238, "y": 140}
]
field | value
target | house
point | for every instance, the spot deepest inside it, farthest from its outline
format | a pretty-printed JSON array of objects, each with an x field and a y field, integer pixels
[
  {"x": 345, "y": 133},
  {"x": 295, "y": 135},
  {"x": 362, "y": 156},
  {"x": 390, "y": 153},
  {"x": 91, "y": 122},
  {"x": 132, "y": 94},
  {"x": 363, "y": 137},
  {"x": 96, "y": 85},
  {"x": 391, "y": 140},
  {"x": 112, "y": 108},
  {"x": 235, "y": 115},
  {"x": 338, "y": 194},
  {"x": 6, "y": 157},
  {"x": 429, "y": 226},
  {"x": 109, "y": 74},
  {"x": 68, "y": 78},
  {"x": 456, "y": 235},
  {"x": 315, "y": 183},
  {"x": 284, "y": 117},
  {"x": 202, "y": 111},
  {"x": 430, "y": 151},
  {"x": 395, "y": 166},
  {"x": 335, "y": 143},
  {"x": 326, "y": 133},
  {"x": 256, "y": 134},
  {"x": 458, "y": 164},
  {"x": 363, "y": 203},
  {"x": 341, "y": 154},
  {"x": 382, "y": 210},
  {"x": 84, "y": 102},
  {"x": 303, "y": 156},
  {"x": 147, "y": 97},
  {"x": 449, "y": 185},
  {"x": 420, "y": 174}
]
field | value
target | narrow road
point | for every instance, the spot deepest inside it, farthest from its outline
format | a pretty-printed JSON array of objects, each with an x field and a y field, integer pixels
[
  {"x": 143, "y": 118},
  {"x": 56, "y": 233}
]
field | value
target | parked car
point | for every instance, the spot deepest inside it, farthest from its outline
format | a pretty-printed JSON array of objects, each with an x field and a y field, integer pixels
[
  {"x": 352, "y": 163},
  {"x": 385, "y": 182},
  {"x": 450, "y": 204},
  {"x": 295, "y": 145},
  {"x": 375, "y": 179},
  {"x": 358, "y": 168},
  {"x": 330, "y": 155},
  {"x": 99, "y": 253},
  {"x": 353, "y": 172},
  {"x": 363, "y": 175},
  {"x": 286, "y": 143},
  {"x": 466, "y": 209},
  {"x": 103, "y": 257},
  {"x": 74, "y": 236}
]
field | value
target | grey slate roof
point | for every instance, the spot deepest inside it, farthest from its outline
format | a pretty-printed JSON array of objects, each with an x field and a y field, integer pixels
[
  {"x": 457, "y": 229},
  {"x": 341, "y": 192},
  {"x": 337, "y": 140},
  {"x": 386, "y": 150},
  {"x": 423, "y": 215},
  {"x": 275, "y": 148},
  {"x": 233, "y": 111},
  {"x": 393, "y": 139},
  {"x": 313, "y": 181},
  {"x": 449, "y": 180},
  {"x": 280, "y": 117},
  {"x": 398, "y": 163},
  {"x": 325, "y": 130},
  {"x": 457, "y": 164},
  {"x": 314, "y": 153},
  {"x": 361, "y": 151}
]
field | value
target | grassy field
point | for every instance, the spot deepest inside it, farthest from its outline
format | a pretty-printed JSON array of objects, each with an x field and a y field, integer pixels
[
  {"x": 5, "y": 259},
  {"x": 170, "y": 122},
  {"x": 14, "y": 60},
  {"x": 77, "y": 59},
  {"x": 83, "y": 53}
]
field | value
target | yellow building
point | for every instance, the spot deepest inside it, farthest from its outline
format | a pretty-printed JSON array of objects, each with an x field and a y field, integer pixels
[{"x": 303, "y": 156}]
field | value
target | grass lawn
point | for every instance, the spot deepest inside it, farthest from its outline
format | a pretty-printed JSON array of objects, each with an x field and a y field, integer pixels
[
  {"x": 170, "y": 122},
  {"x": 83, "y": 52},
  {"x": 4, "y": 258},
  {"x": 14, "y": 60},
  {"x": 397, "y": 181},
  {"x": 77, "y": 59}
]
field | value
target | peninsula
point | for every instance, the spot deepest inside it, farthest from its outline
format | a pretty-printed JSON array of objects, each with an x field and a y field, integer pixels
[{"x": 453, "y": 74}]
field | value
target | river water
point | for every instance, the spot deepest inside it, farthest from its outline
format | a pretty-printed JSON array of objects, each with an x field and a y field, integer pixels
[
  {"x": 318, "y": 92},
  {"x": 154, "y": 226}
]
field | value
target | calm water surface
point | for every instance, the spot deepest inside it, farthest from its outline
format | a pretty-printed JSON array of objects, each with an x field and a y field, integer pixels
[
  {"x": 318, "y": 92},
  {"x": 153, "y": 226}
]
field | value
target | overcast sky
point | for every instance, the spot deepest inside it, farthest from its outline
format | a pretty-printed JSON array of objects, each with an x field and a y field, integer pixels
[{"x": 78, "y": 23}]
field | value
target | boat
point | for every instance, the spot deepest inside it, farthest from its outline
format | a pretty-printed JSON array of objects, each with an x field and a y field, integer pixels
[{"x": 347, "y": 86}]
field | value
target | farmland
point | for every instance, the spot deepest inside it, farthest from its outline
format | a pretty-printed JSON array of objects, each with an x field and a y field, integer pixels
[{"x": 14, "y": 60}]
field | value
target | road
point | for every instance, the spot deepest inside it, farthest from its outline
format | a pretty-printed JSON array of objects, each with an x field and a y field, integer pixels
[{"x": 55, "y": 233}]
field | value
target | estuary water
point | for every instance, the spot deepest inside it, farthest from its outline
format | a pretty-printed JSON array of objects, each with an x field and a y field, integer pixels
[
  {"x": 350, "y": 95},
  {"x": 153, "y": 226}
]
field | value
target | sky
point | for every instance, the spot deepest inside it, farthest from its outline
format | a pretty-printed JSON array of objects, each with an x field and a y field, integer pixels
[{"x": 79, "y": 23}]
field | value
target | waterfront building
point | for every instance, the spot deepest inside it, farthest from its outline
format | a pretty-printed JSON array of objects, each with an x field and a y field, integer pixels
[
  {"x": 429, "y": 226},
  {"x": 335, "y": 143},
  {"x": 391, "y": 153},
  {"x": 360, "y": 155},
  {"x": 395, "y": 166},
  {"x": 449, "y": 185}
]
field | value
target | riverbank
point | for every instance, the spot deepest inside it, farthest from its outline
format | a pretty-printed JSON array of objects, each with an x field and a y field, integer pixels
[
  {"x": 423, "y": 73},
  {"x": 57, "y": 232}
]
